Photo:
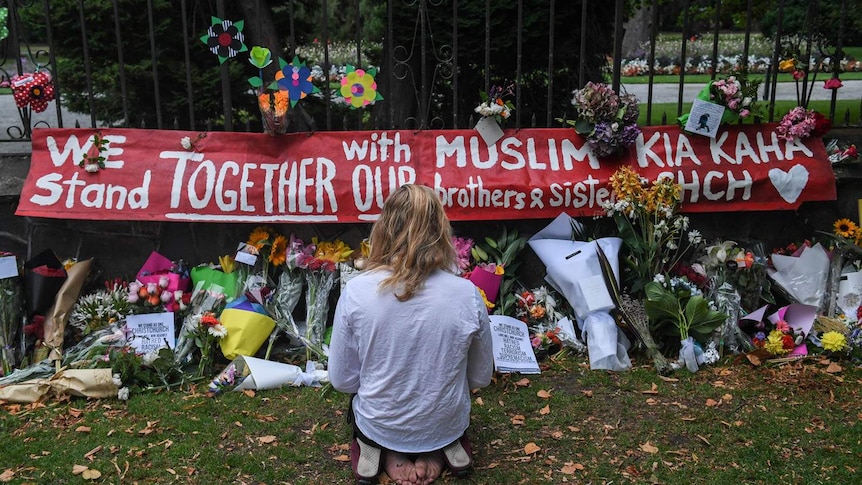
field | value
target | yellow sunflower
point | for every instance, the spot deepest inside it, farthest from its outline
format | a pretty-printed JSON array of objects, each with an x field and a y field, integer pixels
[
  {"x": 259, "y": 237},
  {"x": 278, "y": 252},
  {"x": 845, "y": 228}
]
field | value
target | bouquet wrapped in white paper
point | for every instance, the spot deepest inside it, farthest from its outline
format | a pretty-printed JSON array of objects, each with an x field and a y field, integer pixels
[{"x": 574, "y": 269}]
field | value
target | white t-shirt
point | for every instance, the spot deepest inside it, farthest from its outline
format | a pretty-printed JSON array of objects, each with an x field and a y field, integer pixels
[{"x": 411, "y": 364}]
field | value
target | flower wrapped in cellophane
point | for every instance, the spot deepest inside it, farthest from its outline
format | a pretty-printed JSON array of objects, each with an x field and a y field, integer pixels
[
  {"x": 283, "y": 301},
  {"x": 320, "y": 267},
  {"x": 202, "y": 301},
  {"x": 11, "y": 311}
]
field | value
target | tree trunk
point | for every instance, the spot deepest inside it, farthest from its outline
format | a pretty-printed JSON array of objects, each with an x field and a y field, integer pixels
[{"x": 637, "y": 32}]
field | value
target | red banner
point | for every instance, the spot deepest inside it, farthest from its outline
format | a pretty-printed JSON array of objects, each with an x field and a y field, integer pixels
[{"x": 346, "y": 176}]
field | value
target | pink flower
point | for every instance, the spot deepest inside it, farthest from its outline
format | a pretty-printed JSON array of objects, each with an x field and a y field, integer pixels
[
  {"x": 832, "y": 83},
  {"x": 782, "y": 326},
  {"x": 744, "y": 113},
  {"x": 798, "y": 74}
]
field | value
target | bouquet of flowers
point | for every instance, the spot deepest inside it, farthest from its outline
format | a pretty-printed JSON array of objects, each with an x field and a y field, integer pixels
[
  {"x": 11, "y": 316},
  {"x": 104, "y": 307},
  {"x": 542, "y": 309},
  {"x": 841, "y": 152},
  {"x": 203, "y": 302},
  {"x": 737, "y": 94},
  {"x": 270, "y": 248},
  {"x": 273, "y": 103},
  {"x": 608, "y": 120},
  {"x": 319, "y": 262},
  {"x": 744, "y": 269},
  {"x": 675, "y": 306},
  {"x": 646, "y": 216},
  {"x": 150, "y": 297},
  {"x": 286, "y": 296},
  {"x": 802, "y": 123},
  {"x": 206, "y": 330},
  {"x": 494, "y": 105}
]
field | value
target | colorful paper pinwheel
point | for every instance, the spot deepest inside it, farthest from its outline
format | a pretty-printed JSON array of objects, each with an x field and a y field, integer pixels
[
  {"x": 224, "y": 38},
  {"x": 295, "y": 78},
  {"x": 359, "y": 88},
  {"x": 33, "y": 89}
]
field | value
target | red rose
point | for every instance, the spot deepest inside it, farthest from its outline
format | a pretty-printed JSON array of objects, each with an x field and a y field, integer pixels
[
  {"x": 787, "y": 342},
  {"x": 822, "y": 125}
]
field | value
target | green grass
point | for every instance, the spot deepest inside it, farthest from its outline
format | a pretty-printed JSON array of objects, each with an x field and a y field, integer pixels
[
  {"x": 730, "y": 423},
  {"x": 843, "y": 109}
]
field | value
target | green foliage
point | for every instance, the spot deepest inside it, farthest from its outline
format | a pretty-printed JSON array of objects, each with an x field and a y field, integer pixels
[{"x": 680, "y": 313}]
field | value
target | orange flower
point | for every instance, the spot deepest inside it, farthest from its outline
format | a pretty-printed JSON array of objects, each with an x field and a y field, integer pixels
[
  {"x": 276, "y": 102},
  {"x": 278, "y": 252},
  {"x": 259, "y": 237},
  {"x": 537, "y": 312},
  {"x": 845, "y": 228}
]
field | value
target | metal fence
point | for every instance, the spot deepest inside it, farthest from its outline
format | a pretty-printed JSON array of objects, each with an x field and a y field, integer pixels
[{"x": 433, "y": 58}]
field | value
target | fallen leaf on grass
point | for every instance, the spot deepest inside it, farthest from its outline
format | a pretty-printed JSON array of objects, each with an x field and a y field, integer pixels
[
  {"x": 265, "y": 440},
  {"x": 545, "y": 410},
  {"x": 727, "y": 397},
  {"x": 90, "y": 474},
  {"x": 649, "y": 448},
  {"x": 341, "y": 457},
  {"x": 518, "y": 419},
  {"x": 587, "y": 393},
  {"x": 668, "y": 379},
  {"x": 711, "y": 403},
  {"x": 523, "y": 382},
  {"x": 571, "y": 468},
  {"x": 7, "y": 475},
  {"x": 834, "y": 368},
  {"x": 248, "y": 392},
  {"x": 479, "y": 401},
  {"x": 171, "y": 471},
  {"x": 79, "y": 469},
  {"x": 531, "y": 448},
  {"x": 704, "y": 440},
  {"x": 652, "y": 390},
  {"x": 82, "y": 429},
  {"x": 544, "y": 394}
]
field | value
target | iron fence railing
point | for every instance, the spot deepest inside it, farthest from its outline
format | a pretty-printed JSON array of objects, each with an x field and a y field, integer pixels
[{"x": 432, "y": 57}]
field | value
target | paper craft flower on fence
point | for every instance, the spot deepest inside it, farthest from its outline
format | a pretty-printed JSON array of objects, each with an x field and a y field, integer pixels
[
  {"x": 608, "y": 120},
  {"x": 32, "y": 89},
  {"x": 224, "y": 38},
  {"x": 494, "y": 105},
  {"x": 358, "y": 87},
  {"x": 295, "y": 78},
  {"x": 801, "y": 123},
  {"x": 832, "y": 83}
]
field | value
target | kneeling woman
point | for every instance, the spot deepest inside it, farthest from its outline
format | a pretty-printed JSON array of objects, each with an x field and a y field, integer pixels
[{"x": 410, "y": 339}]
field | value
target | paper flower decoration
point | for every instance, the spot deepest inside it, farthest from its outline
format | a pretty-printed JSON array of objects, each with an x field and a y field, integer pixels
[
  {"x": 359, "y": 88},
  {"x": 295, "y": 78},
  {"x": 224, "y": 38},
  {"x": 832, "y": 83},
  {"x": 34, "y": 89},
  {"x": 4, "y": 31}
]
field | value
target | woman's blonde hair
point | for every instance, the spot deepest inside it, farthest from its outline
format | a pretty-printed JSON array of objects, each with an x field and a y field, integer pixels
[{"x": 412, "y": 238}]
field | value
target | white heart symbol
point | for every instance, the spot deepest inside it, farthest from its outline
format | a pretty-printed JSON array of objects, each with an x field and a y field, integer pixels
[{"x": 789, "y": 184}]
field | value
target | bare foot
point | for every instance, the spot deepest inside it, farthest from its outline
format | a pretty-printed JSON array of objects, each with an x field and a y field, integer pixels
[
  {"x": 400, "y": 468},
  {"x": 428, "y": 468}
]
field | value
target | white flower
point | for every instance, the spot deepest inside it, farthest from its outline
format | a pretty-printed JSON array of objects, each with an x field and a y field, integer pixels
[
  {"x": 186, "y": 142},
  {"x": 163, "y": 281},
  {"x": 694, "y": 236},
  {"x": 659, "y": 278},
  {"x": 149, "y": 358},
  {"x": 91, "y": 167},
  {"x": 123, "y": 394},
  {"x": 217, "y": 331},
  {"x": 133, "y": 298},
  {"x": 116, "y": 380}
]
